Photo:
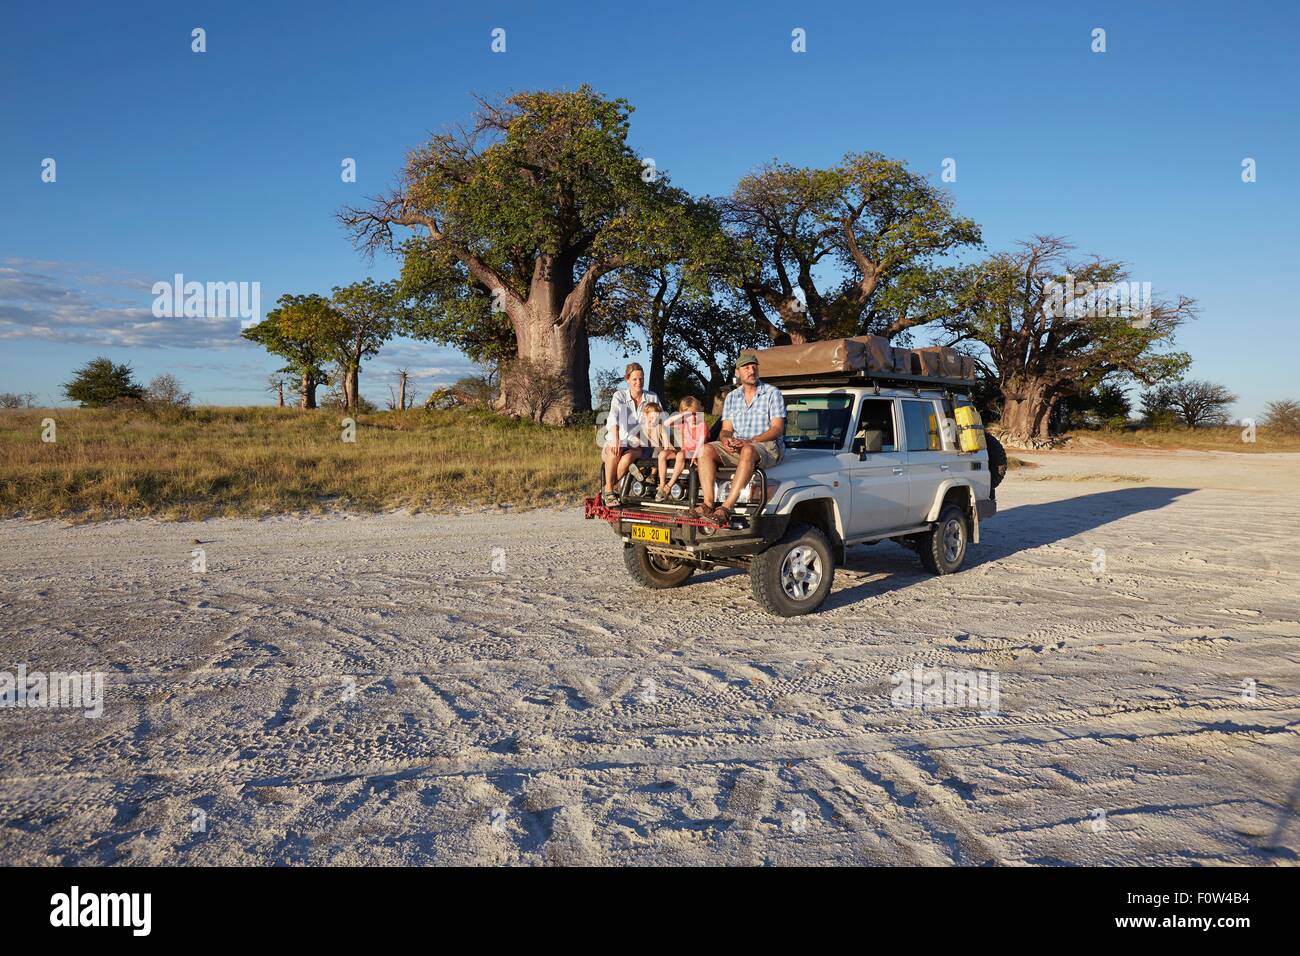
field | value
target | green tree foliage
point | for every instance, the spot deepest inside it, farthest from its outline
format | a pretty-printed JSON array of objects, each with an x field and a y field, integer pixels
[
  {"x": 515, "y": 221},
  {"x": 1157, "y": 408},
  {"x": 842, "y": 251},
  {"x": 101, "y": 382},
  {"x": 692, "y": 255},
  {"x": 363, "y": 317},
  {"x": 706, "y": 339},
  {"x": 1106, "y": 406},
  {"x": 291, "y": 332},
  {"x": 1052, "y": 333}
]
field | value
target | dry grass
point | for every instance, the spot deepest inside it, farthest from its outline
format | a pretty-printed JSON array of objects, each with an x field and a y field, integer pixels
[
  {"x": 1194, "y": 439},
  {"x": 257, "y": 461}
]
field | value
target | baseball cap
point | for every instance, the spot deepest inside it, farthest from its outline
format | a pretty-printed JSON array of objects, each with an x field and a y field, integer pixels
[{"x": 747, "y": 358}]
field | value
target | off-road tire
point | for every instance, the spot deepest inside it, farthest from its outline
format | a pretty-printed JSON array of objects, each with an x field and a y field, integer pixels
[
  {"x": 997, "y": 459},
  {"x": 811, "y": 568},
  {"x": 943, "y": 547},
  {"x": 655, "y": 571}
]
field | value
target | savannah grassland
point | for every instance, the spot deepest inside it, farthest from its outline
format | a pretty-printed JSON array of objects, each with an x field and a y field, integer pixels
[
  {"x": 211, "y": 462},
  {"x": 255, "y": 461}
]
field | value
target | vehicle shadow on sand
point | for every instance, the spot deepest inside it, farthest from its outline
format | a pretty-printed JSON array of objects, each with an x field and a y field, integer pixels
[{"x": 1016, "y": 529}]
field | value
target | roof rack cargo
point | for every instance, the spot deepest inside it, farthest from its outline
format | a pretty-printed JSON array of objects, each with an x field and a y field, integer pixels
[{"x": 878, "y": 379}]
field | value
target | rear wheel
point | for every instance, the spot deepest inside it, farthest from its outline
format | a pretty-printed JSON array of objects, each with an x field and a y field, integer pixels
[
  {"x": 794, "y": 575},
  {"x": 943, "y": 547},
  {"x": 655, "y": 571}
]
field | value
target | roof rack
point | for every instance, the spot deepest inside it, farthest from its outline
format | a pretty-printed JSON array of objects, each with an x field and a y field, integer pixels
[{"x": 878, "y": 379}]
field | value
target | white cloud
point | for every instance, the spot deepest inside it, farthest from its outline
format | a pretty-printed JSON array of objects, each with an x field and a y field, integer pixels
[{"x": 51, "y": 302}]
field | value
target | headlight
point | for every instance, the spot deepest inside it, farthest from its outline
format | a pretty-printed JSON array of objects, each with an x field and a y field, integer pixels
[{"x": 752, "y": 492}]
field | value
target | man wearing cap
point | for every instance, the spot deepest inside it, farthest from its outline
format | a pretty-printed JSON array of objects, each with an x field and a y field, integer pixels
[{"x": 753, "y": 430}]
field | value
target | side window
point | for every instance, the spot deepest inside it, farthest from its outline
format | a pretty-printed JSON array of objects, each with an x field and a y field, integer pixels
[
  {"x": 875, "y": 431},
  {"x": 921, "y": 422}
]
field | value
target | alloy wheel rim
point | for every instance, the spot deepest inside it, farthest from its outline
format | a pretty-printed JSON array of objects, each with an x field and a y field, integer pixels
[
  {"x": 952, "y": 540},
  {"x": 801, "y": 572}
]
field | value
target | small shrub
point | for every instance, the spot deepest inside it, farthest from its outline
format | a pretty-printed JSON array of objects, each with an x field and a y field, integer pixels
[{"x": 1283, "y": 416}]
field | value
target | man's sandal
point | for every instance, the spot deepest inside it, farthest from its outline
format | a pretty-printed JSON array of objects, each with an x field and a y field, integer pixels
[{"x": 721, "y": 515}]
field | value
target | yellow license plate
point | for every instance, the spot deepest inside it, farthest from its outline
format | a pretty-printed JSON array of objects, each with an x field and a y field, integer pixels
[{"x": 645, "y": 532}]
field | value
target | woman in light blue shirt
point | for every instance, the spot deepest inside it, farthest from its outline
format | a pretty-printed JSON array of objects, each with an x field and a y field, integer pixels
[{"x": 625, "y": 441}]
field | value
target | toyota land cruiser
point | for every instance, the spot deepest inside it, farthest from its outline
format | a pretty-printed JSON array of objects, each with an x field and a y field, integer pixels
[{"x": 867, "y": 459}]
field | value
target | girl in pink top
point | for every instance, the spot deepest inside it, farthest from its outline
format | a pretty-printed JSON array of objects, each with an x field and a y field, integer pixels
[{"x": 690, "y": 427}]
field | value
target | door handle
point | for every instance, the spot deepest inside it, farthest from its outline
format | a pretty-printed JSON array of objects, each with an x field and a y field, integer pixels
[
  {"x": 898, "y": 471},
  {"x": 943, "y": 467}
]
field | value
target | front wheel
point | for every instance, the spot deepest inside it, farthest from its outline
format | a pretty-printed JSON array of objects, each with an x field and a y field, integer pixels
[
  {"x": 656, "y": 571},
  {"x": 794, "y": 575},
  {"x": 943, "y": 547}
]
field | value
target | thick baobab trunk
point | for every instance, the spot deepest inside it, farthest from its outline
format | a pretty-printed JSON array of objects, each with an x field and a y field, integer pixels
[
  {"x": 1027, "y": 412},
  {"x": 307, "y": 397},
  {"x": 351, "y": 385},
  {"x": 549, "y": 379}
]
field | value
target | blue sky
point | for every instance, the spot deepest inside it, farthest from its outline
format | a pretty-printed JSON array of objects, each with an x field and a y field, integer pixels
[{"x": 224, "y": 166}]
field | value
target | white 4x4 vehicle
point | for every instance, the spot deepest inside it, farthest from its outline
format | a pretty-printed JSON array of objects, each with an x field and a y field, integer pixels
[{"x": 866, "y": 460}]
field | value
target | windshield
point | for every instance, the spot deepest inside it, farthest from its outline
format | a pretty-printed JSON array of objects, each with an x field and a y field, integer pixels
[{"x": 817, "y": 421}]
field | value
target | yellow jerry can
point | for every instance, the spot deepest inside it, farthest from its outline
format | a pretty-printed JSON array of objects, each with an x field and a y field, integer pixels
[{"x": 970, "y": 428}]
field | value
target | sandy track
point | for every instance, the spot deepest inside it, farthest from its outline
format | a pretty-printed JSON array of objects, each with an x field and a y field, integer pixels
[{"x": 367, "y": 690}]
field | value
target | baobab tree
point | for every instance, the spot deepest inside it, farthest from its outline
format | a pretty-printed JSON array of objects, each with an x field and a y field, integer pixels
[
  {"x": 1053, "y": 330},
  {"x": 291, "y": 330},
  {"x": 364, "y": 316},
  {"x": 509, "y": 224},
  {"x": 848, "y": 250}
]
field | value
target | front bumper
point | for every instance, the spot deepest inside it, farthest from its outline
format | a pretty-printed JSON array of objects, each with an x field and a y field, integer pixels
[{"x": 693, "y": 537}]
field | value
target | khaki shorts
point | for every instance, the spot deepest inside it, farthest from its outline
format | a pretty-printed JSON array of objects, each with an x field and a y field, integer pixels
[{"x": 769, "y": 453}]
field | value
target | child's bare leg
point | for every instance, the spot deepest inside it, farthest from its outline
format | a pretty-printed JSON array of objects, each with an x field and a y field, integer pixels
[
  {"x": 663, "y": 469},
  {"x": 678, "y": 467}
]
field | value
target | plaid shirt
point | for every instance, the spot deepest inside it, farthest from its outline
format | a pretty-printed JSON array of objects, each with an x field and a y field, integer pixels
[
  {"x": 626, "y": 415},
  {"x": 756, "y": 418}
]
